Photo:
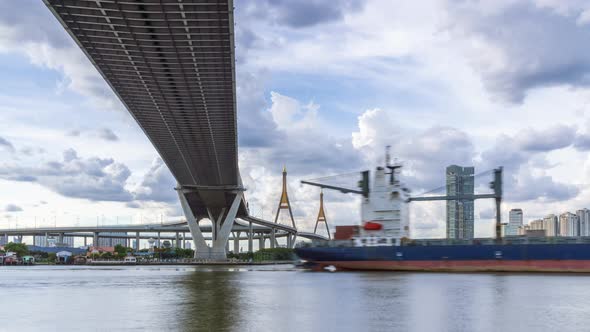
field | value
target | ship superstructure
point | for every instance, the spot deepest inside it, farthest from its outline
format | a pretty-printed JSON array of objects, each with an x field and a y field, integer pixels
[{"x": 384, "y": 211}]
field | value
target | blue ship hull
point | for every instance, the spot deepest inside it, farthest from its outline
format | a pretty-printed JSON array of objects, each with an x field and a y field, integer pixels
[{"x": 508, "y": 257}]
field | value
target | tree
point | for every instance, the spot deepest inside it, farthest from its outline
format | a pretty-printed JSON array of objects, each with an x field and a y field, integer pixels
[
  {"x": 121, "y": 251},
  {"x": 20, "y": 249}
]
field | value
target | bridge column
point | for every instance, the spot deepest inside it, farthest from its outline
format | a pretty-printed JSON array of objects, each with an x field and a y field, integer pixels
[
  {"x": 272, "y": 238},
  {"x": 261, "y": 241},
  {"x": 60, "y": 238},
  {"x": 136, "y": 241},
  {"x": 85, "y": 241},
  {"x": 223, "y": 223},
  {"x": 177, "y": 240},
  {"x": 159, "y": 243},
  {"x": 95, "y": 240},
  {"x": 250, "y": 236},
  {"x": 237, "y": 242},
  {"x": 46, "y": 239},
  {"x": 292, "y": 238},
  {"x": 34, "y": 241},
  {"x": 183, "y": 240}
]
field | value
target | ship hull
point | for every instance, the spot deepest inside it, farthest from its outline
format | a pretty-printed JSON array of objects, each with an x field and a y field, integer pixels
[{"x": 454, "y": 258}]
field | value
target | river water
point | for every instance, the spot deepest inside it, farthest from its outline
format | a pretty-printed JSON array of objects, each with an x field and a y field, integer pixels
[{"x": 281, "y": 298}]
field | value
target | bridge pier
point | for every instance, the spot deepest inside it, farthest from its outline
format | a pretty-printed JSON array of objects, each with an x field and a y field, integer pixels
[
  {"x": 261, "y": 240},
  {"x": 250, "y": 236},
  {"x": 222, "y": 224},
  {"x": 237, "y": 242},
  {"x": 272, "y": 238},
  {"x": 95, "y": 240},
  {"x": 136, "y": 241}
]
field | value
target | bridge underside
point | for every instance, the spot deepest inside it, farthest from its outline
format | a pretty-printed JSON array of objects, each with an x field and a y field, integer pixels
[{"x": 171, "y": 63}]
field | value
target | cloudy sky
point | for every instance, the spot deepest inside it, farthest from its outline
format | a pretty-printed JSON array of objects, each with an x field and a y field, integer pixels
[{"x": 323, "y": 86}]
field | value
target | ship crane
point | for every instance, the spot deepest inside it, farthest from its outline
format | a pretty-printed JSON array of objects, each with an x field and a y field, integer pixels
[
  {"x": 496, "y": 185},
  {"x": 363, "y": 184}
]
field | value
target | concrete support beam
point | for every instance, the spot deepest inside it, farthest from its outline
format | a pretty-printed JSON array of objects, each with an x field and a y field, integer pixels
[
  {"x": 136, "y": 241},
  {"x": 95, "y": 239},
  {"x": 46, "y": 239},
  {"x": 222, "y": 224},
  {"x": 177, "y": 240},
  {"x": 85, "y": 241},
  {"x": 273, "y": 240},
  {"x": 250, "y": 235},
  {"x": 261, "y": 242},
  {"x": 236, "y": 242}
]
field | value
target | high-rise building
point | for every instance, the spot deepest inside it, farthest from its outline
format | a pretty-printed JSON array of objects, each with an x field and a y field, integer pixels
[
  {"x": 105, "y": 241},
  {"x": 514, "y": 221},
  {"x": 551, "y": 225},
  {"x": 460, "y": 181},
  {"x": 568, "y": 224},
  {"x": 53, "y": 241},
  {"x": 584, "y": 220},
  {"x": 536, "y": 225},
  {"x": 522, "y": 230},
  {"x": 3, "y": 240}
]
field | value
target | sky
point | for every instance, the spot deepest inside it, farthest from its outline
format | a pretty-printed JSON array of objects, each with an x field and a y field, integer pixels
[{"x": 322, "y": 88}]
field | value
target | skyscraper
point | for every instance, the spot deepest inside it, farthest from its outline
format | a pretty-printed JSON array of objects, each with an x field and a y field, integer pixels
[
  {"x": 551, "y": 225},
  {"x": 460, "y": 181},
  {"x": 584, "y": 219},
  {"x": 568, "y": 224},
  {"x": 514, "y": 221}
]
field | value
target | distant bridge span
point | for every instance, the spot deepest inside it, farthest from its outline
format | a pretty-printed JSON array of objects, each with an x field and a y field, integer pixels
[{"x": 172, "y": 64}]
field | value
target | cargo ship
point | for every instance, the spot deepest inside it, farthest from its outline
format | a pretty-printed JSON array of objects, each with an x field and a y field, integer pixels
[{"x": 382, "y": 241}]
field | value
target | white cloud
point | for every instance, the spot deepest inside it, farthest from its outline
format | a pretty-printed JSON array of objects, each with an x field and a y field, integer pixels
[{"x": 12, "y": 208}]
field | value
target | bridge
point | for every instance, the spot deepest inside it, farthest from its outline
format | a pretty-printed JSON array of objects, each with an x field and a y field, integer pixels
[
  {"x": 174, "y": 231},
  {"x": 172, "y": 64}
]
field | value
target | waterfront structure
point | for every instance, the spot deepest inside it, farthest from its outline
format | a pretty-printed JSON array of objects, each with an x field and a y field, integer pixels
[
  {"x": 514, "y": 221},
  {"x": 460, "y": 213},
  {"x": 172, "y": 64},
  {"x": 568, "y": 224},
  {"x": 584, "y": 220}
]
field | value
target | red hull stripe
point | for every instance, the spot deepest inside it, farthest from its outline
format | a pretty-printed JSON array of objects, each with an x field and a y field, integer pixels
[{"x": 466, "y": 265}]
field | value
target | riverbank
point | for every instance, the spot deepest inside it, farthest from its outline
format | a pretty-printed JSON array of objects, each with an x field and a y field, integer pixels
[{"x": 204, "y": 263}]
